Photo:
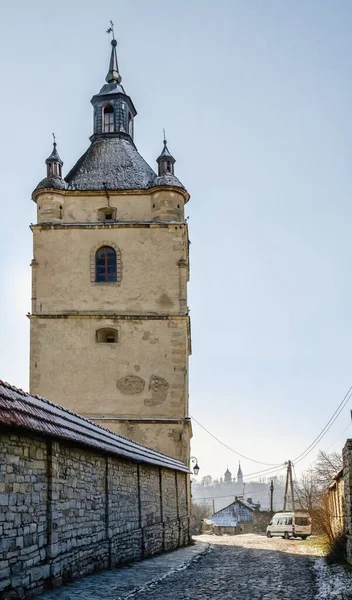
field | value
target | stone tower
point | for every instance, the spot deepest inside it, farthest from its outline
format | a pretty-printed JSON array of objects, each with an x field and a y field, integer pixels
[{"x": 110, "y": 330}]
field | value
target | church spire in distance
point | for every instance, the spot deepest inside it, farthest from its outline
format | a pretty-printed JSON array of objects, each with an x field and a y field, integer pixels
[
  {"x": 239, "y": 474},
  {"x": 113, "y": 73}
]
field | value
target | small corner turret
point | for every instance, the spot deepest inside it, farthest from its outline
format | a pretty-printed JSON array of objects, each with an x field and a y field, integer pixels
[
  {"x": 53, "y": 179},
  {"x": 165, "y": 161},
  {"x": 54, "y": 163}
]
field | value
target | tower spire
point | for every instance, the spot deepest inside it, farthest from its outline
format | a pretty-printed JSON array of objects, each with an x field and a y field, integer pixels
[{"x": 113, "y": 73}]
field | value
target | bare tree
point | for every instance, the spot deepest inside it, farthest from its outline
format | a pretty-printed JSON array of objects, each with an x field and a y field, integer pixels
[
  {"x": 207, "y": 480},
  {"x": 199, "y": 512},
  {"x": 326, "y": 466},
  {"x": 312, "y": 491}
]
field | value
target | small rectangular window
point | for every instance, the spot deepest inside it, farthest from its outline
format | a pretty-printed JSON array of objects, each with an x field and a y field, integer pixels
[{"x": 108, "y": 216}]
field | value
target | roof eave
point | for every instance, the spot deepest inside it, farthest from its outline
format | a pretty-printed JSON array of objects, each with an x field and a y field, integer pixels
[
  {"x": 173, "y": 188},
  {"x": 36, "y": 193},
  {"x": 116, "y": 95}
]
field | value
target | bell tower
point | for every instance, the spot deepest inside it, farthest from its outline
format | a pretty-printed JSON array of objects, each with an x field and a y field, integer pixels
[{"x": 109, "y": 325}]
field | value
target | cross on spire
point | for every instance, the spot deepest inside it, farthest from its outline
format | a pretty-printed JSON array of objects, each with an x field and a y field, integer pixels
[
  {"x": 113, "y": 73},
  {"x": 111, "y": 30}
]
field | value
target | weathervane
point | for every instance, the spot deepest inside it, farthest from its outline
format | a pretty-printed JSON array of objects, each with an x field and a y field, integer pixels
[
  {"x": 111, "y": 30},
  {"x": 54, "y": 138},
  {"x": 164, "y": 137}
]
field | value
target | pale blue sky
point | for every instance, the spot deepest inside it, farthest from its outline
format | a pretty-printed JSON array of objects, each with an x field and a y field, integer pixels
[{"x": 256, "y": 99}]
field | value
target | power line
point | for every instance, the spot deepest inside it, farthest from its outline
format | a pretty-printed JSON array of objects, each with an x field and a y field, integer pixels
[
  {"x": 325, "y": 429},
  {"x": 268, "y": 472},
  {"x": 303, "y": 454},
  {"x": 231, "y": 449},
  {"x": 251, "y": 491},
  {"x": 340, "y": 436}
]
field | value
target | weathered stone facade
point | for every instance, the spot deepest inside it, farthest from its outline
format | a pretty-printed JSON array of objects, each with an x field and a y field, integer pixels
[
  {"x": 137, "y": 385},
  {"x": 347, "y": 479},
  {"x": 67, "y": 509},
  {"x": 336, "y": 504}
]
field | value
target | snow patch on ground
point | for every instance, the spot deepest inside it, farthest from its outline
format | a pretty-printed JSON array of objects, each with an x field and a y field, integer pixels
[{"x": 333, "y": 582}]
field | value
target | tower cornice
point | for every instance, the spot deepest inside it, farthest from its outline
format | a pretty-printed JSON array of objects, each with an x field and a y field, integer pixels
[
  {"x": 115, "y": 225},
  {"x": 117, "y": 193}
]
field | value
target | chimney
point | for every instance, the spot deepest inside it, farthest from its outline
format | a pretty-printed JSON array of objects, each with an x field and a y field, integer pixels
[{"x": 249, "y": 500}]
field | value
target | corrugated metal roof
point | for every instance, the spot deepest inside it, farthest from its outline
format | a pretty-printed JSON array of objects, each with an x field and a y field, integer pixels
[{"x": 20, "y": 409}]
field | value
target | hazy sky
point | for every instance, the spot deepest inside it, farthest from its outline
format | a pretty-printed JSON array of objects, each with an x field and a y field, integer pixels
[{"x": 256, "y": 100}]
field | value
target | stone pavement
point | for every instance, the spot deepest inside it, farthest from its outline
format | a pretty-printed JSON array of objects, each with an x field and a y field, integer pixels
[
  {"x": 126, "y": 582},
  {"x": 243, "y": 567}
]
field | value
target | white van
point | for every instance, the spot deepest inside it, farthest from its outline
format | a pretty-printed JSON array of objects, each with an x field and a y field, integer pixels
[{"x": 290, "y": 524}]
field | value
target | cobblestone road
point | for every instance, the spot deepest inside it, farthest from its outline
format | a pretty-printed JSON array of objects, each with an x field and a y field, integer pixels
[{"x": 245, "y": 567}]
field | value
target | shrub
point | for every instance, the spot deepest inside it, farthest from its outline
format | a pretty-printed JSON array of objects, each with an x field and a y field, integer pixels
[{"x": 337, "y": 552}]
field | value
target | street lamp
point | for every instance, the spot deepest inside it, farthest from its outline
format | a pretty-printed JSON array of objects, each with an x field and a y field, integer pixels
[{"x": 196, "y": 466}]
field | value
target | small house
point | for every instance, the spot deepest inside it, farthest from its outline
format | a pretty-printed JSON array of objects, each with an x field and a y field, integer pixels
[{"x": 234, "y": 519}]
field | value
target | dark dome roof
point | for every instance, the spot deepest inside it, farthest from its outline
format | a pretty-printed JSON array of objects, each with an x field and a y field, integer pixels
[
  {"x": 112, "y": 161},
  {"x": 168, "y": 179},
  {"x": 55, "y": 183},
  {"x": 115, "y": 162}
]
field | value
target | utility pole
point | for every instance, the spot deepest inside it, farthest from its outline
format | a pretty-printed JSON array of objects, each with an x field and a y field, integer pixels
[
  {"x": 291, "y": 485},
  {"x": 289, "y": 480},
  {"x": 271, "y": 496},
  {"x": 213, "y": 506}
]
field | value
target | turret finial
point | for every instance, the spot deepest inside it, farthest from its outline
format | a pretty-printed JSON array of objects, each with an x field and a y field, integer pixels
[{"x": 113, "y": 73}]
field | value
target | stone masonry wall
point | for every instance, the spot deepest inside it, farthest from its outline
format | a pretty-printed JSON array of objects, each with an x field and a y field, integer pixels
[
  {"x": 67, "y": 511},
  {"x": 347, "y": 478},
  {"x": 335, "y": 498}
]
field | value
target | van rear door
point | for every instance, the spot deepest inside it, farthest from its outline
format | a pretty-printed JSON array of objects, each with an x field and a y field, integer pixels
[{"x": 302, "y": 525}]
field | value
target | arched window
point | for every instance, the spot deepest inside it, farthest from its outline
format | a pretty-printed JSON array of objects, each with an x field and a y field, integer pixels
[
  {"x": 108, "y": 119},
  {"x": 105, "y": 264}
]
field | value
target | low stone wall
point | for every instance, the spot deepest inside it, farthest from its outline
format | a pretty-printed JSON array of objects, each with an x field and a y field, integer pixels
[{"x": 68, "y": 511}]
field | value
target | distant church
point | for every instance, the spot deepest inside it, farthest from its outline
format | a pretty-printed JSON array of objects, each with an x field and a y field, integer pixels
[
  {"x": 109, "y": 325},
  {"x": 228, "y": 476}
]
